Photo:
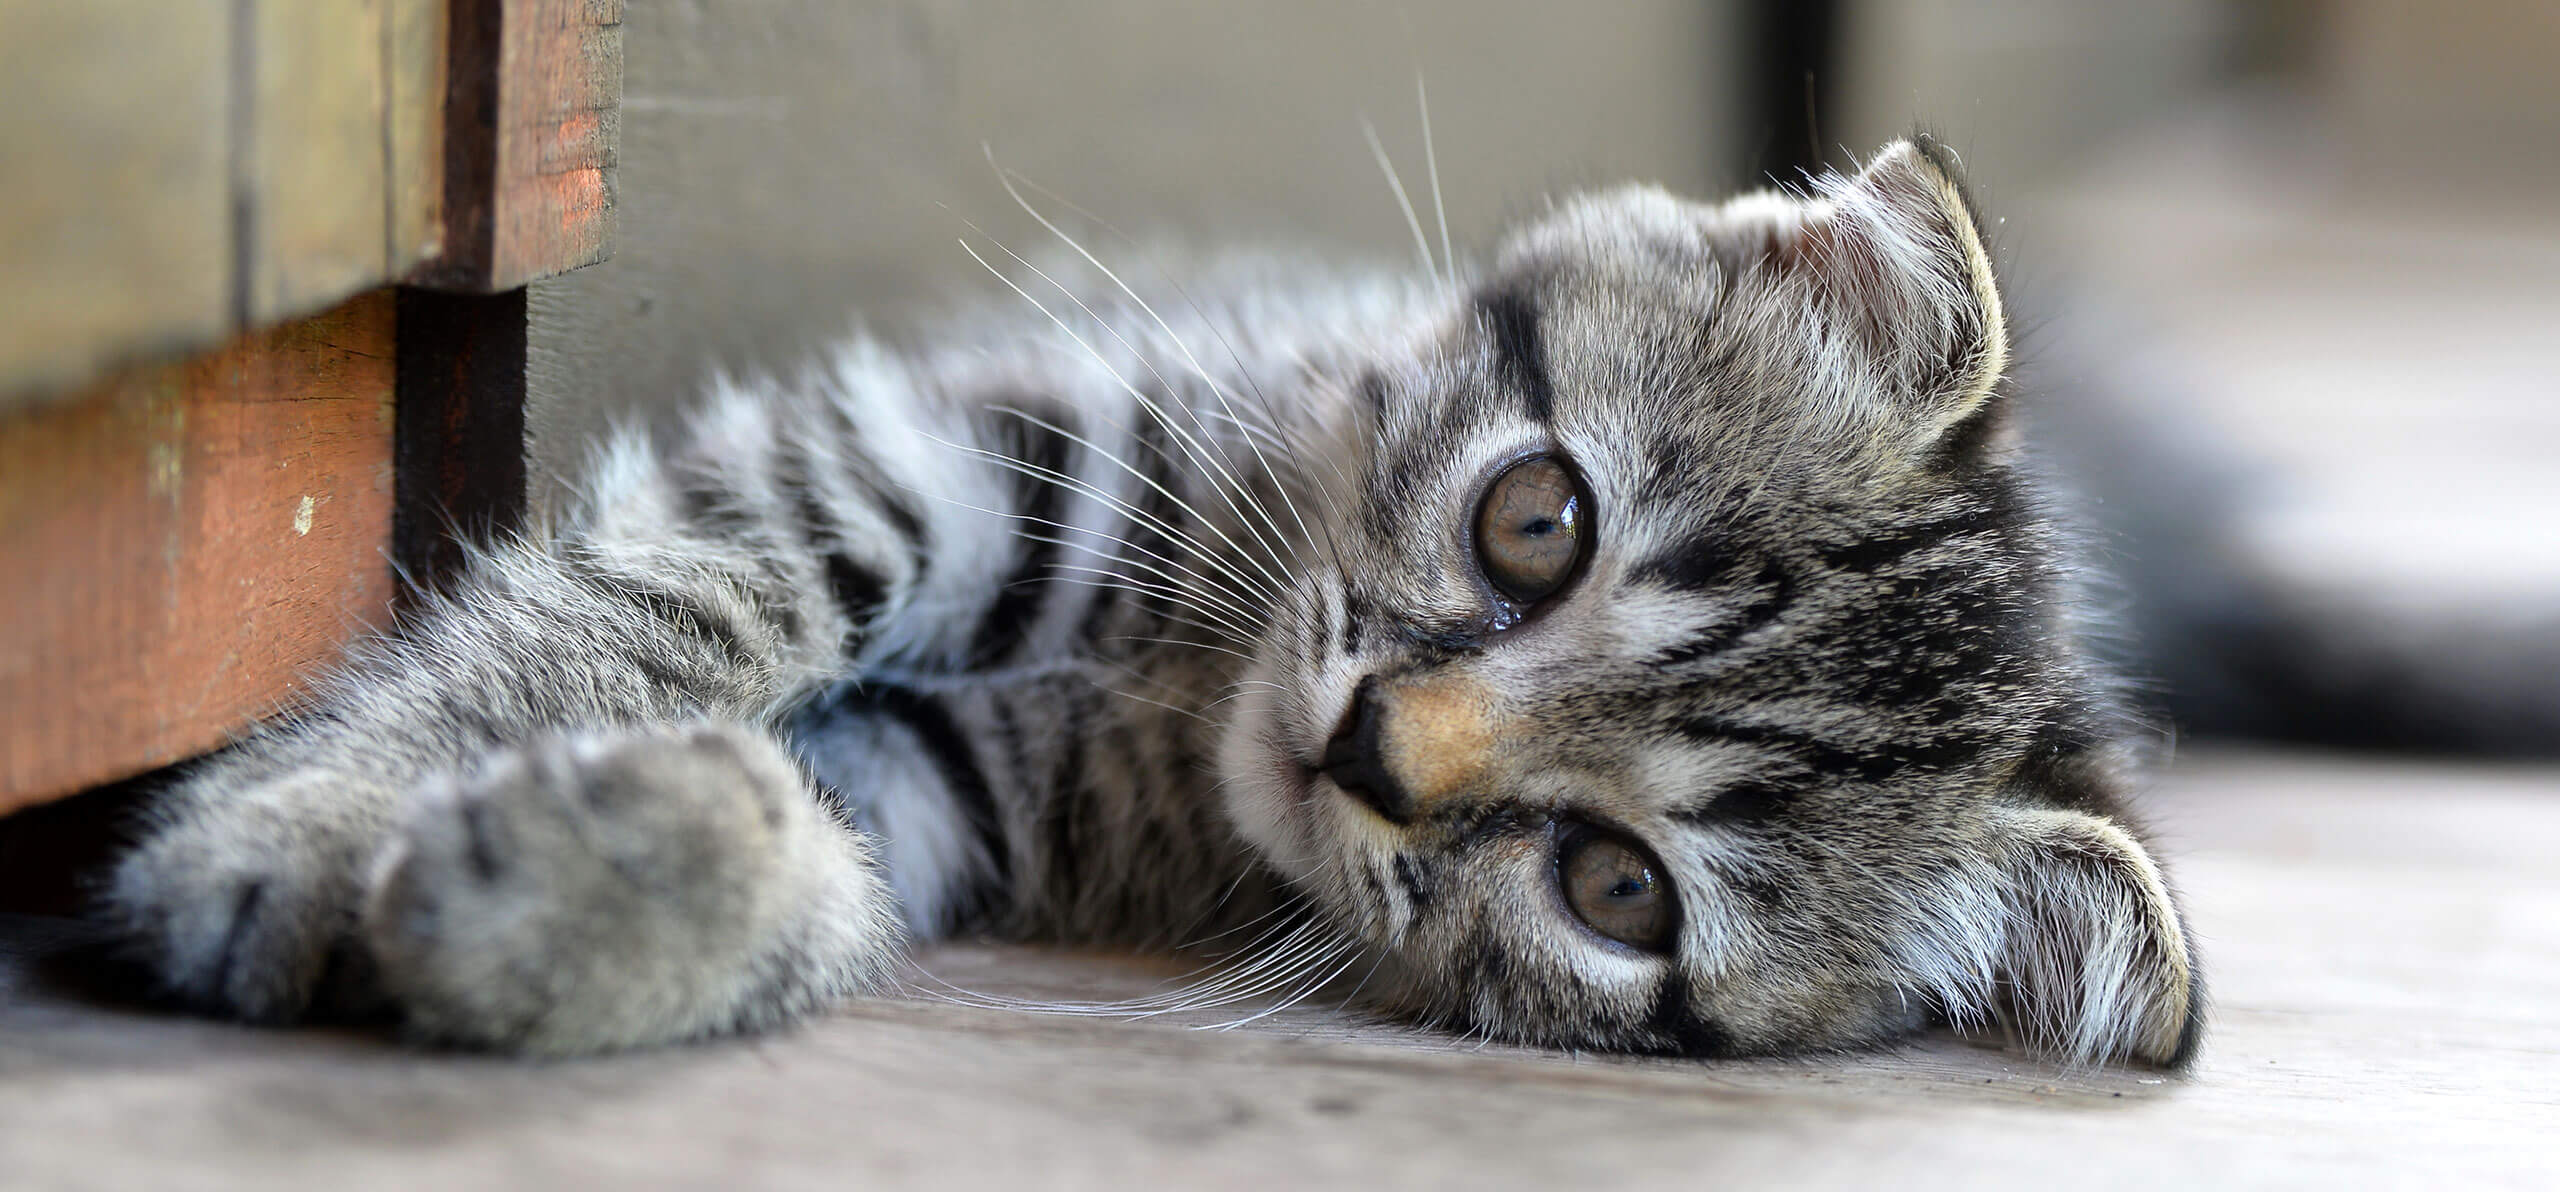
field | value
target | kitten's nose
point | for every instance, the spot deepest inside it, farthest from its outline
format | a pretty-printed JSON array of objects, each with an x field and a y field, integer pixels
[{"x": 1352, "y": 758}]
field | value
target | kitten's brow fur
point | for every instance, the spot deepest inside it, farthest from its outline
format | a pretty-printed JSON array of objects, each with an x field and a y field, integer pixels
[{"x": 1044, "y": 634}]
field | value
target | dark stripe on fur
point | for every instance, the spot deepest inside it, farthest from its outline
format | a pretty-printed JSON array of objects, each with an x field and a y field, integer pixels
[
  {"x": 1059, "y": 830},
  {"x": 1677, "y": 1026},
  {"x": 1886, "y": 549},
  {"x": 1778, "y": 592},
  {"x": 1749, "y": 803},
  {"x": 957, "y": 763},
  {"x": 716, "y": 510},
  {"x": 687, "y": 620},
  {"x": 1757, "y": 799},
  {"x": 1038, "y": 503},
  {"x": 1702, "y": 562},
  {"x": 1510, "y": 316},
  {"x": 1417, "y": 887}
]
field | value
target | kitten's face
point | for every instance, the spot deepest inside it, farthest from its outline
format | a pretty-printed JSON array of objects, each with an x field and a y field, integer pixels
[{"x": 1683, "y": 673}]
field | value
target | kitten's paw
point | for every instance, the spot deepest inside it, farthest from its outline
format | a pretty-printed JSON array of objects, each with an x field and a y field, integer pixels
[
  {"x": 244, "y": 901},
  {"x": 592, "y": 892}
]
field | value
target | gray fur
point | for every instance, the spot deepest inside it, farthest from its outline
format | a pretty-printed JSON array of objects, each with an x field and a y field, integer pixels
[{"x": 1058, "y": 621}]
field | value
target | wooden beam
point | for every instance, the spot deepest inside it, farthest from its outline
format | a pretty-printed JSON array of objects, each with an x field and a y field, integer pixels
[
  {"x": 115, "y": 217},
  {"x": 187, "y": 541},
  {"x": 532, "y": 111},
  {"x": 179, "y": 172}
]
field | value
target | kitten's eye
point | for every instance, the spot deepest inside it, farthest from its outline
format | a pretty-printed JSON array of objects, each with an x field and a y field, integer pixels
[
  {"x": 1612, "y": 886},
  {"x": 1529, "y": 530}
]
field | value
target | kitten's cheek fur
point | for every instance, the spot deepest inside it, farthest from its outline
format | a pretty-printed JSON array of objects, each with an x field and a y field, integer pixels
[{"x": 1259, "y": 795}]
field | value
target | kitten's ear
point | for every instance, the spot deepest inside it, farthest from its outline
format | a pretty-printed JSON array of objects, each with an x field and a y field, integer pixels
[
  {"x": 1890, "y": 270},
  {"x": 2095, "y": 963}
]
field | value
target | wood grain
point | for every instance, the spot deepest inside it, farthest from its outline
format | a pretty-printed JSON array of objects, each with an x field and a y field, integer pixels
[
  {"x": 179, "y": 172},
  {"x": 115, "y": 219},
  {"x": 534, "y": 89},
  {"x": 185, "y": 540},
  {"x": 312, "y": 168}
]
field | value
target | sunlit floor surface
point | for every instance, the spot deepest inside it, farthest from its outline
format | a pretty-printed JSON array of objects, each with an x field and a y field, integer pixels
[{"x": 2383, "y": 939}]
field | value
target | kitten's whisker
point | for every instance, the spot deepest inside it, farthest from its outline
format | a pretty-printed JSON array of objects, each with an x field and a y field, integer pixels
[
  {"x": 1431, "y": 159},
  {"x": 1209, "y": 523},
  {"x": 1134, "y": 513},
  {"x": 1221, "y": 480},
  {"x": 1301, "y": 994},
  {"x": 1158, "y": 704},
  {"x": 1234, "y": 357},
  {"x": 1211, "y": 587},
  {"x": 1138, "y": 587},
  {"x": 1421, "y": 243},
  {"x": 1176, "y": 641},
  {"x": 1175, "y": 618},
  {"x": 1188, "y": 356},
  {"x": 1354, "y": 995},
  {"x": 1274, "y": 584},
  {"x": 1150, "y": 445},
  {"x": 1308, "y": 949},
  {"x": 1005, "y": 178},
  {"x": 1210, "y": 596}
]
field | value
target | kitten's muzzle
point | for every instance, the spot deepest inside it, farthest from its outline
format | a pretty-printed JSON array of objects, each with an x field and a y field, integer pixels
[
  {"x": 1353, "y": 761},
  {"x": 1410, "y": 743}
]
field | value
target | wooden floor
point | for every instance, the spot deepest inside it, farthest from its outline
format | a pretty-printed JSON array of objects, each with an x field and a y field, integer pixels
[{"x": 2384, "y": 942}]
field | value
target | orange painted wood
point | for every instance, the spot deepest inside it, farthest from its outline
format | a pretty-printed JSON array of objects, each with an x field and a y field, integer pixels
[
  {"x": 182, "y": 543},
  {"x": 531, "y": 114}
]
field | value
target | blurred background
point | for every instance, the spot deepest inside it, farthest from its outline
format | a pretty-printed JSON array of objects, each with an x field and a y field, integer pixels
[{"x": 2333, "y": 226}]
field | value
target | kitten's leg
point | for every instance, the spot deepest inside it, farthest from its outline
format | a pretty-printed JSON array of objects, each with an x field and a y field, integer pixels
[
  {"x": 586, "y": 708},
  {"x": 546, "y": 820},
  {"x": 597, "y": 890}
]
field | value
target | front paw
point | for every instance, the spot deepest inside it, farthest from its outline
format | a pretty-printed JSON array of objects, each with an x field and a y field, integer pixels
[
  {"x": 243, "y": 901},
  {"x": 598, "y": 891}
]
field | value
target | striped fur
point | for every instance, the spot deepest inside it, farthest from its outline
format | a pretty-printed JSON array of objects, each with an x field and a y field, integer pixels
[{"x": 1043, "y": 635}]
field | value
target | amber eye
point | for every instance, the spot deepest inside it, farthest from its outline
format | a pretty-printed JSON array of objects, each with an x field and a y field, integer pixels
[
  {"x": 1529, "y": 530},
  {"x": 1613, "y": 887}
]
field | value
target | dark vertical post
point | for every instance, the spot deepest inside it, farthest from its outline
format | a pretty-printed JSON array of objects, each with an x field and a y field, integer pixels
[
  {"x": 1789, "y": 50},
  {"x": 458, "y": 455}
]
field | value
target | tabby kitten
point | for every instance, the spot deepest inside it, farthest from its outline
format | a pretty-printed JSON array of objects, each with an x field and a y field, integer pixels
[{"x": 1654, "y": 644}]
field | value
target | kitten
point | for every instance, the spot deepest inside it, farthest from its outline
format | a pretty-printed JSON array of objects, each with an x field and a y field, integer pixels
[{"x": 1654, "y": 644}]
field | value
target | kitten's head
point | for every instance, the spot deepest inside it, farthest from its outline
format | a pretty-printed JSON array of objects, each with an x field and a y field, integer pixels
[{"x": 1690, "y": 669}]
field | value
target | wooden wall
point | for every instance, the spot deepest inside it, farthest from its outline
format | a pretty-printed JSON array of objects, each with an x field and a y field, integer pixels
[
  {"x": 179, "y": 171},
  {"x": 265, "y": 183}
]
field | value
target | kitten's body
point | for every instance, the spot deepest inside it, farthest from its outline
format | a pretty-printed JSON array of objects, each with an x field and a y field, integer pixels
[{"x": 1072, "y": 628}]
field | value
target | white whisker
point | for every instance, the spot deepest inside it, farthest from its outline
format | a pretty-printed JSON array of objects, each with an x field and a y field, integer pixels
[
  {"x": 1263, "y": 399},
  {"x": 1210, "y": 470},
  {"x": 1431, "y": 158},
  {"x": 1197, "y": 369},
  {"x": 1135, "y": 514},
  {"x": 1421, "y": 243}
]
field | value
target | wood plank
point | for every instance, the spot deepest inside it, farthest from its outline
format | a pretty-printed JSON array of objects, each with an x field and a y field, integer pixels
[
  {"x": 313, "y": 165},
  {"x": 191, "y": 538},
  {"x": 532, "y": 111},
  {"x": 415, "y": 45},
  {"x": 115, "y": 229},
  {"x": 201, "y": 167}
]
